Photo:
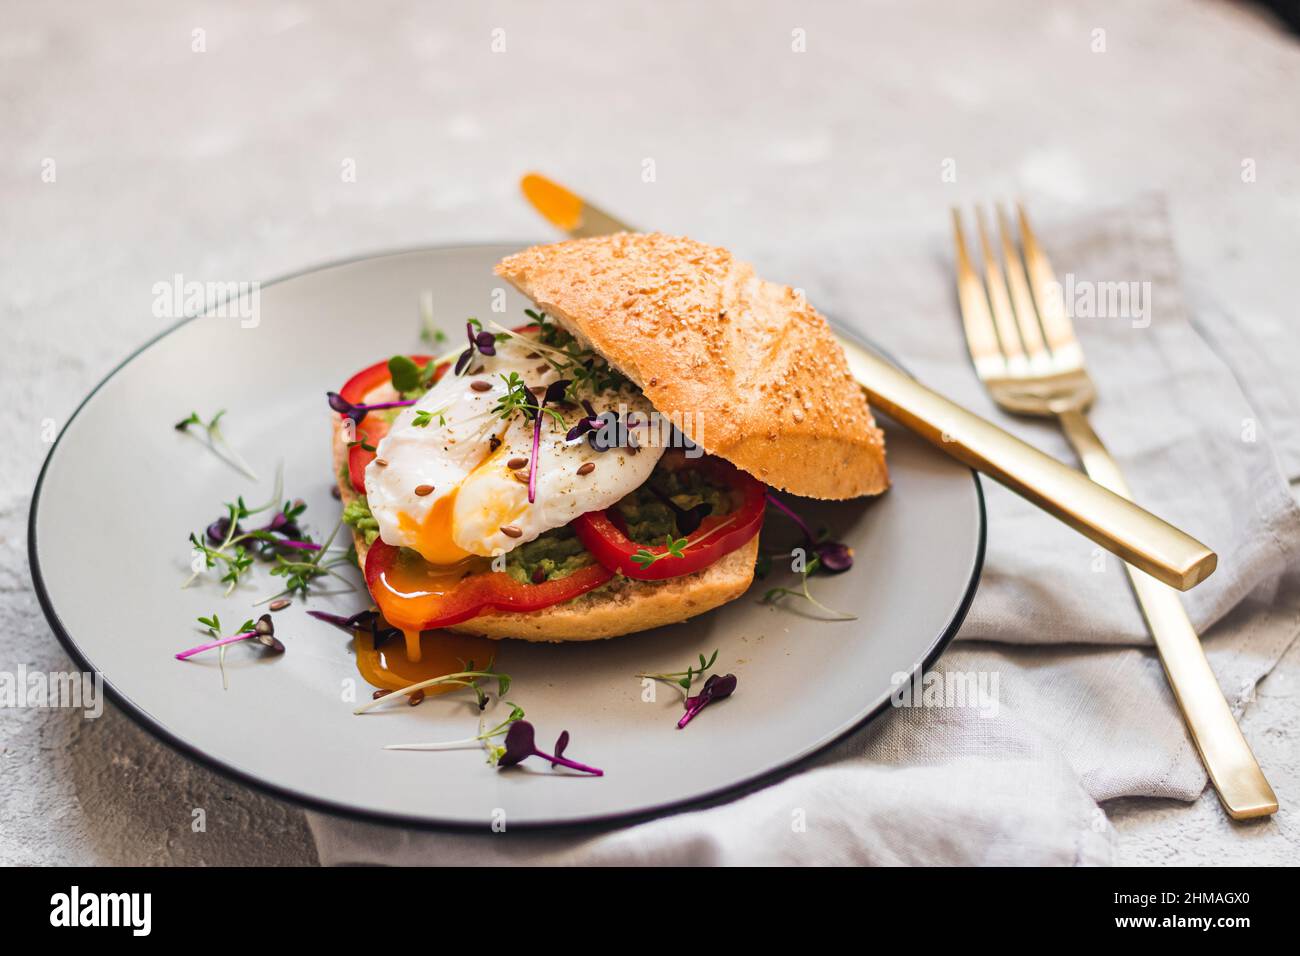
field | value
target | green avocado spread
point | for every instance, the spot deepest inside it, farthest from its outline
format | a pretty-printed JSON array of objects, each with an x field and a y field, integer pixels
[
  {"x": 357, "y": 515},
  {"x": 650, "y": 519}
]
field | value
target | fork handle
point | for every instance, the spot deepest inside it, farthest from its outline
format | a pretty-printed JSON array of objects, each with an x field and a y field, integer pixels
[
  {"x": 1232, "y": 766},
  {"x": 1111, "y": 520}
]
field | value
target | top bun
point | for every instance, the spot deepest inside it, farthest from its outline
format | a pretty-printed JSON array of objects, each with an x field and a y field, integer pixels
[{"x": 752, "y": 369}]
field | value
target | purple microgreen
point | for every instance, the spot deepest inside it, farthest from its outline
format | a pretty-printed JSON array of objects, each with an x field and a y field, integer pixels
[
  {"x": 835, "y": 556},
  {"x": 217, "y": 441},
  {"x": 366, "y": 621},
  {"x": 482, "y": 737},
  {"x": 687, "y": 519},
  {"x": 465, "y": 678},
  {"x": 554, "y": 393},
  {"x": 520, "y": 744},
  {"x": 480, "y": 341},
  {"x": 561, "y": 742},
  {"x": 261, "y": 632},
  {"x": 715, "y": 688},
  {"x": 358, "y": 412},
  {"x": 589, "y": 423}
]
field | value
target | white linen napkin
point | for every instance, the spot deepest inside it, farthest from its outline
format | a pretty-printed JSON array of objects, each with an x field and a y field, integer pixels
[{"x": 1083, "y": 711}]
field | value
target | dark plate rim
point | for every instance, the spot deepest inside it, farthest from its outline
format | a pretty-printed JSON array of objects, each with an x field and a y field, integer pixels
[{"x": 348, "y": 811}]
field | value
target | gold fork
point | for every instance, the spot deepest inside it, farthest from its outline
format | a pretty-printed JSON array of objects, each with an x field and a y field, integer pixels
[{"x": 1026, "y": 354}]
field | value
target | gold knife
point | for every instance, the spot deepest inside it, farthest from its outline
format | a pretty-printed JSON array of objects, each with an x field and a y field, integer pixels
[{"x": 1117, "y": 524}]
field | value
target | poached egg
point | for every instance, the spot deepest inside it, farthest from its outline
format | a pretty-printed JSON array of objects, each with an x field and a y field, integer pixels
[{"x": 457, "y": 486}]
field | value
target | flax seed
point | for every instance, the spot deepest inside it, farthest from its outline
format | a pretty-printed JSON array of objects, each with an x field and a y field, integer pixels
[
  {"x": 587, "y": 468},
  {"x": 480, "y": 386},
  {"x": 516, "y": 463},
  {"x": 423, "y": 490},
  {"x": 511, "y": 531}
]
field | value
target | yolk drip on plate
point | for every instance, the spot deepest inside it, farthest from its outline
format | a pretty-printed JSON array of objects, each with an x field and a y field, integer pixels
[
  {"x": 406, "y": 595},
  {"x": 442, "y": 652}
]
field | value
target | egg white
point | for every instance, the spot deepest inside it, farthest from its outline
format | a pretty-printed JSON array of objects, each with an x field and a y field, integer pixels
[{"x": 475, "y": 492}]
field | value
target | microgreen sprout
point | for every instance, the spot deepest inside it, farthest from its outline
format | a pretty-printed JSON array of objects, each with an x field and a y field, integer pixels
[
  {"x": 675, "y": 547},
  {"x": 429, "y": 333},
  {"x": 483, "y": 342},
  {"x": 225, "y": 545},
  {"x": 822, "y": 556},
  {"x": 481, "y": 738},
  {"x": 466, "y": 678},
  {"x": 423, "y": 417},
  {"x": 217, "y": 441},
  {"x": 520, "y": 744},
  {"x": 298, "y": 573},
  {"x": 585, "y": 370},
  {"x": 774, "y": 595},
  {"x": 519, "y": 398},
  {"x": 682, "y": 680},
  {"x": 715, "y": 688},
  {"x": 261, "y": 632}
]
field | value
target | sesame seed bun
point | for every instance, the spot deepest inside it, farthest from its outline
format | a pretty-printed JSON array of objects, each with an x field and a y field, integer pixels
[{"x": 753, "y": 370}]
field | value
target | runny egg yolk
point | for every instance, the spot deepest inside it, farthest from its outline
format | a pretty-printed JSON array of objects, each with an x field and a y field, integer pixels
[{"x": 433, "y": 536}]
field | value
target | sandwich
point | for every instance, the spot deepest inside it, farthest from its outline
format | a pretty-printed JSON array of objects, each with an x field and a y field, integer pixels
[{"x": 601, "y": 466}]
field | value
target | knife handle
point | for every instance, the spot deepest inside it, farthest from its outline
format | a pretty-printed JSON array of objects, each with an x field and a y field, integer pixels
[{"x": 1117, "y": 524}]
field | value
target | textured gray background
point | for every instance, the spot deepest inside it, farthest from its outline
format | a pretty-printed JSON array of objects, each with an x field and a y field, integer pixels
[{"x": 225, "y": 165}]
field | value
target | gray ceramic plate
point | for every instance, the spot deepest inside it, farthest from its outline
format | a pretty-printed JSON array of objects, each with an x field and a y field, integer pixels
[{"x": 122, "y": 489}]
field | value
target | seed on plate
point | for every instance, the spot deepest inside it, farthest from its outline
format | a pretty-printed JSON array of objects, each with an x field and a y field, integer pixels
[
  {"x": 586, "y": 468},
  {"x": 264, "y": 626},
  {"x": 516, "y": 462},
  {"x": 511, "y": 531},
  {"x": 480, "y": 386},
  {"x": 334, "y": 490},
  {"x": 381, "y": 462},
  {"x": 423, "y": 490},
  {"x": 279, "y": 604},
  {"x": 520, "y": 476},
  {"x": 415, "y": 697},
  {"x": 380, "y": 693}
]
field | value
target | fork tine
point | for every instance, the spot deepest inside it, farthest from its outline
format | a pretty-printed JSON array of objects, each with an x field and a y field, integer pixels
[
  {"x": 1031, "y": 333},
  {"x": 981, "y": 336},
  {"x": 1004, "y": 319},
  {"x": 1066, "y": 350}
]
